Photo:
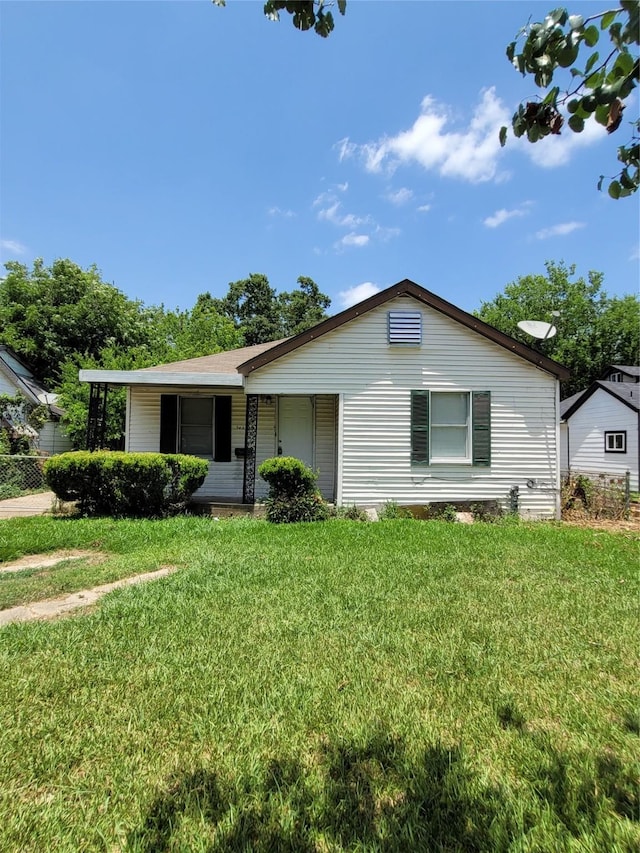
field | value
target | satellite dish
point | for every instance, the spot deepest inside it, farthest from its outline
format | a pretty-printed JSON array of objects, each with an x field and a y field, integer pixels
[{"x": 537, "y": 329}]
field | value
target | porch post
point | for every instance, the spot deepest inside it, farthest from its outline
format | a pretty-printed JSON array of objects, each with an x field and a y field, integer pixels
[
  {"x": 250, "y": 445},
  {"x": 97, "y": 416}
]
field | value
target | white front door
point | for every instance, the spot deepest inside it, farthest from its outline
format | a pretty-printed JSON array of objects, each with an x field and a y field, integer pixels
[{"x": 295, "y": 428}]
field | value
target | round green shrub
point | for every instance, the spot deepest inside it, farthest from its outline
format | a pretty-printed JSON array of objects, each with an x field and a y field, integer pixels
[
  {"x": 146, "y": 485},
  {"x": 293, "y": 495}
]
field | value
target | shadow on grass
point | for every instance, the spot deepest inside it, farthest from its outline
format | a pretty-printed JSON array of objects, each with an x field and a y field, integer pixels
[
  {"x": 375, "y": 796},
  {"x": 371, "y": 796}
]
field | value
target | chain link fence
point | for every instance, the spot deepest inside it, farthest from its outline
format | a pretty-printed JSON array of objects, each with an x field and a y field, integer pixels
[
  {"x": 20, "y": 475},
  {"x": 595, "y": 494}
]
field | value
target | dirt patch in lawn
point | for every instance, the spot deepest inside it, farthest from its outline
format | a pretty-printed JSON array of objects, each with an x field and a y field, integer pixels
[
  {"x": 612, "y": 525},
  {"x": 45, "y": 561}
]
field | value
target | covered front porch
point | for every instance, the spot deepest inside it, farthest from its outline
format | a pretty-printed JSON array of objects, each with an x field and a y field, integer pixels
[{"x": 233, "y": 430}]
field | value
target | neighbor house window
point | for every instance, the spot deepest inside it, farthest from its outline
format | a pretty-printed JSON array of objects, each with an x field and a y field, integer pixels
[
  {"x": 451, "y": 427},
  {"x": 616, "y": 377},
  {"x": 615, "y": 442},
  {"x": 199, "y": 426}
]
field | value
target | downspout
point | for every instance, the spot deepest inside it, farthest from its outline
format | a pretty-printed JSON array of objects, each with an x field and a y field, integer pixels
[{"x": 339, "y": 461}]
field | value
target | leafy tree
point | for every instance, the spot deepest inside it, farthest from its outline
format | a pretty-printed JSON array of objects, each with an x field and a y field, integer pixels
[
  {"x": 594, "y": 330},
  {"x": 261, "y": 315},
  {"x": 49, "y": 314},
  {"x": 303, "y": 307},
  {"x": 597, "y": 88},
  {"x": 305, "y": 14},
  {"x": 251, "y": 305}
]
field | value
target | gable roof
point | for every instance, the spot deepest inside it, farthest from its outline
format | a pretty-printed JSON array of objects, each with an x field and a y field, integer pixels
[
  {"x": 629, "y": 369},
  {"x": 403, "y": 288},
  {"x": 627, "y": 393},
  {"x": 21, "y": 375}
]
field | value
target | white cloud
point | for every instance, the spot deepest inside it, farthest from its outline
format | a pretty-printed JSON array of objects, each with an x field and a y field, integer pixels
[
  {"x": 386, "y": 234},
  {"x": 635, "y": 253},
  {"x": 559, "y": 230},
  {"x": 501, "y": 216},
  {"x": 343, "y": 187},
  {"x": 399, "y": 197},
  {"x": 13, "y": 246},
  {"x": 352, "y": 239},
  {"x": 357, "y": 293},
  {"x": 557, "y": 150},
  {"x": 345, "y": 148},
  {"x": 470, "y": 154},
  {"x": 424, "y": 208},
  {"x": 334, "y": 214},
  {"x": 277, "y": 211}
]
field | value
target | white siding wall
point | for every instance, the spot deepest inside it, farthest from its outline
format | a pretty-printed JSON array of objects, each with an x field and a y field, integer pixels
[
  {"x": 375, "y": 381},
  {"x": 53, "y": 439},
  {"x": 586, "y": 437}
]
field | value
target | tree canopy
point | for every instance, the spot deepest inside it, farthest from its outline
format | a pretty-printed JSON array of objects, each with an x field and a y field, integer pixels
[
  {"x": 305, "y": 14},
  {"x": 594, "y": 330},
  {"x": 596, "y": 85}
]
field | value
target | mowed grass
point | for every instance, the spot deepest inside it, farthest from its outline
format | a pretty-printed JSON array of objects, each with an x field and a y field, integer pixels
[{"x": 338, "y": 686}]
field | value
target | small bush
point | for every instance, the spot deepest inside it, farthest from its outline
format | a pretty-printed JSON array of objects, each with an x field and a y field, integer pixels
[
  {"x": 351, "y": 513},
  {"x": 391, "y": 510},
  {"x": 293, "y": 495},
  {"x": 104, "y": 482}
]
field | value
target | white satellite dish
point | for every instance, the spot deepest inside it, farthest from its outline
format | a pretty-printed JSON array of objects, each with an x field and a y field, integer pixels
[{"x": 537, "y": 329}]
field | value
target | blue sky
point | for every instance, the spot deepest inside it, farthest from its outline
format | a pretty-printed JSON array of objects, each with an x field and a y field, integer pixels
[{"x": 181, "y": 146}]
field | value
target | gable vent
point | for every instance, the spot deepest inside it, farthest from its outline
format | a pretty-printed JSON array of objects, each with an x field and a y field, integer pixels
[{"x": 405, "y": 328}]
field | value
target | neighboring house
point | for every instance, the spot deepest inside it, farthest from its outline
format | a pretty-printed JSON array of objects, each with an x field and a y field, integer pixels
[
  {"x": 600, "y": 426},
  {"x": 402, "y": 397},
  {"x": 16, "y": 377}
]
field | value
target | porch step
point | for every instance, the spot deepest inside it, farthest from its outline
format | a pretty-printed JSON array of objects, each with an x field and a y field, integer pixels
[{"x": 224, "y": 509}]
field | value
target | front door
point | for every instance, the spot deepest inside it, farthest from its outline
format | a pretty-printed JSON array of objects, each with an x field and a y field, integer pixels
[{"x": 295, "y": 428}]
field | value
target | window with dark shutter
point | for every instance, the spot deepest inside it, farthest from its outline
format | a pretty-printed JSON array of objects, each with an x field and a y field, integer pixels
[
  {"x": 481, "y": 419},
  {"x": 420, "y": 427}
]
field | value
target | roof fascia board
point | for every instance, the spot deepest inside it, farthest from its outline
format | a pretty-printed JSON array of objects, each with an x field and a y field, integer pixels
[
  {"x": 406, "y": 288},
  {"x": 139, "y": 377},
  {"x": 22, "y": 387}
]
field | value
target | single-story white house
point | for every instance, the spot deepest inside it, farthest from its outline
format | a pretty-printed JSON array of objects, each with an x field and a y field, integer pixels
[
  {"x": 402, "y": 397},
  {"x": 17, "y": 377},
  {"x": 600, "y": 426}
]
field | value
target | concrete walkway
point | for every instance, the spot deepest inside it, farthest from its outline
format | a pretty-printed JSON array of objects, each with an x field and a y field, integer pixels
[
  {"x": 53, "y": 607},
  {"x": 37, "y": 504}
]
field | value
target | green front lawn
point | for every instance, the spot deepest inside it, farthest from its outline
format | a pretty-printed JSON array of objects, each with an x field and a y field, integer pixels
[{"x": 340, "y": 686}]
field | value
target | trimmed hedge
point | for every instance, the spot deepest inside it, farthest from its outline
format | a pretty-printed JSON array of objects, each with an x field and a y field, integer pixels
[
  {"x": 105, "y": 482},
  {"x": 293, "y": 495}
]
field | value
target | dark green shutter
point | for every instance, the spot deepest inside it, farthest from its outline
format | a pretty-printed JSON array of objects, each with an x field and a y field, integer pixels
[
  {"x": 481, "y": 416},
  {"x": 420, "y": 427},
  {"x": 168, "y": 423},
  {"x": 222, "y": 420}
]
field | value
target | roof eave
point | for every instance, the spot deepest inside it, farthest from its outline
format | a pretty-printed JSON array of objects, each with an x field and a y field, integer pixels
[{"x": 147, "y": 377}]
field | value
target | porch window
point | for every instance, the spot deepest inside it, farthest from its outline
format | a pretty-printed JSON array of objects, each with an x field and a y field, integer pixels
[
  {"x": 451, "y": 427},
  {"x": 200, "y": 426},
  {"x": 615, "y": 442}
]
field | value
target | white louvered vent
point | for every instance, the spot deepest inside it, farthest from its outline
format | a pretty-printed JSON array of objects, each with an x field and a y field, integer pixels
[{"x": 405, "y": 328}]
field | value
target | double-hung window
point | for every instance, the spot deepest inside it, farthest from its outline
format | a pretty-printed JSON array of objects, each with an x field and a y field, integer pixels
[
  {"x": 197, "y": 425},
  {"x": 451, "y": 427}
]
